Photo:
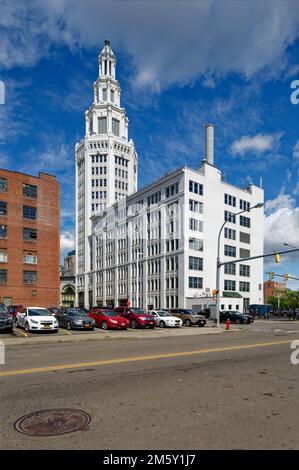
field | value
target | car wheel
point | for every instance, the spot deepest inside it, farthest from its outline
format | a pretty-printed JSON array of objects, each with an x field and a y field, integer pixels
[
  {"x": 27, "y": 328},
  {"x": 187, "y": 322},
  {"x": 162, "y": 324},
  {"x": 69, "y": 325},
  {"x": 134, "y": 324},
  {"x": 104, "y": 325},
  {"x": 92, "y": 328},
  {"x": 10, "y": 330}
]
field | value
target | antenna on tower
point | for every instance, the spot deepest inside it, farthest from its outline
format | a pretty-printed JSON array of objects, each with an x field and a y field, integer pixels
[{"x": 261, "y": 181}]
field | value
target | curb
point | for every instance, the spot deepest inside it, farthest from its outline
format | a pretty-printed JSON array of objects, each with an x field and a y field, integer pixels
[{"x": 104, "y": 336}]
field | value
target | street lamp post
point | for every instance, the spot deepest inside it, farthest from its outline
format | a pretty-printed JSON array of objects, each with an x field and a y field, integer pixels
[{"x": 218, "y": 266}]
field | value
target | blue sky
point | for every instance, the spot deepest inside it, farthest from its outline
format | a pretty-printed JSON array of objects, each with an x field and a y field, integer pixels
[{"x": 180, "y": 64}]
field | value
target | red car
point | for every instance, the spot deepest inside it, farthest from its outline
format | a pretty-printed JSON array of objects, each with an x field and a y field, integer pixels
[
  {"x": 137, "y": 317},
  {"x": 106, "y": 319}
]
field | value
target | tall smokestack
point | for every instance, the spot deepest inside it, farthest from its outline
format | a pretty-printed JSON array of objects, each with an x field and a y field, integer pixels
[{"x": 209, "y": 143}]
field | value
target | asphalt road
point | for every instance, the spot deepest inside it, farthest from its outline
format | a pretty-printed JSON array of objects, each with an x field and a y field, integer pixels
[{"x": 236, "y": 390}]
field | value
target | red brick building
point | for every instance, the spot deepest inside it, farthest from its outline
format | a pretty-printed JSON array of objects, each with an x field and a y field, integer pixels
[
  {"x": 271, "y": 288},
  {"x": 29, "y": 239}
]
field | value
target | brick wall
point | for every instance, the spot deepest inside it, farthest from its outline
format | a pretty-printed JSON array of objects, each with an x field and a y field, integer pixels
[{"x": 45, "y": 292}]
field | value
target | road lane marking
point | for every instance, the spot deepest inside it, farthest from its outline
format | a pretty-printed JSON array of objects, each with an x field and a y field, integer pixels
[
  {"x": 22, "y": 333},
  {"x": 140, "y": 358}
]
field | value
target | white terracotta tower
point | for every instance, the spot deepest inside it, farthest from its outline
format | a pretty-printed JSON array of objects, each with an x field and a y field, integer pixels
[{"x": 106, "y": 165}]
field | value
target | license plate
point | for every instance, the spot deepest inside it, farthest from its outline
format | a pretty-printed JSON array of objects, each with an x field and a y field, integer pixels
[
  {"x": 46, "y": 326},
  {"x": 122, "y": 324}
]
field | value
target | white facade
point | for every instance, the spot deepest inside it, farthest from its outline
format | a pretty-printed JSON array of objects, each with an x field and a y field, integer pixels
[
  {"x": 158, "y": 247},
  {"x": 106, "y": 164}
]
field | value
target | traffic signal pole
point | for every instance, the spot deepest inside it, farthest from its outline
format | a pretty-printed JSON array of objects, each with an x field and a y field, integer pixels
[
  {"x": 240, "y": 260},
  {"x": 282, "y": 275}
]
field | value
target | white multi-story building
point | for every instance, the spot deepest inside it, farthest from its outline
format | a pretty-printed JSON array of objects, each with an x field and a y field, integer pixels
[
  {"x": 106, "y": 164},
  {"x": 158, "y": 246}
]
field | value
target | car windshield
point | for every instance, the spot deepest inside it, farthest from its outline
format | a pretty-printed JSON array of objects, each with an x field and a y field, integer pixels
[
  {"x": 138, "y": 310},
  {"x": 163, "y": 314},
  {"x": 110, "y": 313},
  {"x": 39, "y": 312},
  {"x": 76, "y": 313},
  {"x": 190, "y": 312},
  {"x": 2, "y": 308}
]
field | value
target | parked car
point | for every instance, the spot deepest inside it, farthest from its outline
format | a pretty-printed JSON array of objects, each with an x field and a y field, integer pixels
[
  {"x": 165, "y": 319},
  {"x": 235, "y": 317},
  {"x": 188, "y": 317},
  {"x": 54, "y": 310},
  {"x": 137, "y": 317},
  {"x": 36, "y": 319},
  {"x": 74, "y": 318},
  {"x": 6, "y": 320},
  {"x": 106, "y": 319}
]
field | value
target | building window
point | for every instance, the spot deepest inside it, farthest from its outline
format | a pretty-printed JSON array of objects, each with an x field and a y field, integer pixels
[
  {"x": 3, "y": 231},
  {"x": 3, "y": 185},
  {"x": 29, "y": 277},
  {"x": 102, "y": 125},
  {"x": 230, "y": 250},
  {"x": 195, "y": 206},
  {"x": 195, "y": 282},
  {"x": 3, "y": 256},
  {"x": 195, "y": 188},
  {"x": 195, "y": 224},
  {"x": 104, "y": 94},
  {"x": 230, "y": 269},
  {"x": 29, "y": 190},
  {"x": 172, "y": 190},
  {"x": 244, "y": 270},
  {"x": 3, "y": 275},
  {"x": 244, "y": 221},
  {"x": 230, "y": 200},
  {"x": 112, "y": 96},
  {"x": 29, "y": 212},
  {"x": 230, "y": 217},
  {"x": 195, "y": 263},
  {"x": 229, "y": 233},
  {"x": 244, "y": 237},
  {"x": 244, "y": 205},
  {"x": 229, "y": 285},
  {"x": 115, "y": 127},
  {"x": 244, "y": 253},
  {"x": 3, "y": 208},
  {"x": 195, "y": 244},
  {"x": 29, "y": 257},
  {"x": 244, "y": 286},
  {"x": 29, "y": 235},
  {"x": 246, "y": 303}
]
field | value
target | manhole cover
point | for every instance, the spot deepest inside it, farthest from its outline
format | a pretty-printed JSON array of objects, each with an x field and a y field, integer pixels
[{"x": 52, "y": 422}]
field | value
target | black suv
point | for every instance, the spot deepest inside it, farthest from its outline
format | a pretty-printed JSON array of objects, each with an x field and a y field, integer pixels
[
  {"x": 6, "y": 320},
  {"x": 235, "y": 317}
]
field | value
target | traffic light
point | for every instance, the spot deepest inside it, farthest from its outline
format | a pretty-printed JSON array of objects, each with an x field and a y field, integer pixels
[
  {"x": 272, "y": 274},
  {"x": 277, "y": 258},
  {"x": 285, "y": 276}
]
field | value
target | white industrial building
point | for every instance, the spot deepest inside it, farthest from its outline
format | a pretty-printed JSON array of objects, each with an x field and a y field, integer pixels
[{"x": 158, "y": 246}]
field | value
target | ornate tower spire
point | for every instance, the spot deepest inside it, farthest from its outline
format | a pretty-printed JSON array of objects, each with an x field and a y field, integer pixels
[{"x": 107, "y": 61}]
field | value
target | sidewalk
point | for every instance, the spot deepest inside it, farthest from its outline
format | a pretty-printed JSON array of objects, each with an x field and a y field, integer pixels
[{"x": 104, "y": 335}]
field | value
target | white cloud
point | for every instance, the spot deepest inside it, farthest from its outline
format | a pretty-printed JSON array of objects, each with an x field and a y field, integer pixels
[
  {"x": 67, "y": 241},
  {"x": 282, "y": 201},
  {"x": 296, "y": 150},
  {"x": 169, "y": 42},
  {"x": 281, "y": 225},
  {"x": 259, "y": 143}
]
